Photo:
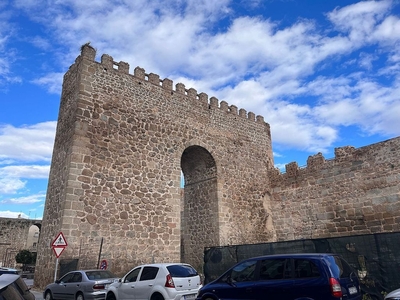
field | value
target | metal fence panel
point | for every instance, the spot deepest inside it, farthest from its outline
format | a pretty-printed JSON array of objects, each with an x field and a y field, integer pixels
[{"x": 375, "y": 257}]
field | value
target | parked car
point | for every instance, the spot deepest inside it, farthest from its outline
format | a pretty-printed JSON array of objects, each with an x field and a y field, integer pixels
[
  {"x": 393, "y": 295},
  {"x": 13, "y": 287},
  {"x": 165, "y": 281},
  {"x": 8, "y": 271},
  {"x": 80, "y": 285},
  {"x": 286, "y": 277}
]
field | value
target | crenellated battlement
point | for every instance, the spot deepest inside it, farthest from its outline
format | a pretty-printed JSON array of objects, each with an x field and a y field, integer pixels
[
  {"x": 347, "y": 155},
  {"x": 88, "y": 52}
]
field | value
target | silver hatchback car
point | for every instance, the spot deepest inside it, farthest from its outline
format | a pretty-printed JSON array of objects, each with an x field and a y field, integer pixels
[{"x": 80, "y": 285}]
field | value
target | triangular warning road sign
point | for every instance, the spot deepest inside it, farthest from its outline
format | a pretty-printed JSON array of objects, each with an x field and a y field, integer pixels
[
  {"x": 59, "y": 241},
  {"x": 58, "y": 251}
]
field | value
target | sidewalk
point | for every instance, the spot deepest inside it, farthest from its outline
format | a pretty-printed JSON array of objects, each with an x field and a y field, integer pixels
[{"x": 38, "y": 295}]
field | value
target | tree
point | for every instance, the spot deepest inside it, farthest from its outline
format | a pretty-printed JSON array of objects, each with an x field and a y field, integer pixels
[{"x": 25, "y": 257}]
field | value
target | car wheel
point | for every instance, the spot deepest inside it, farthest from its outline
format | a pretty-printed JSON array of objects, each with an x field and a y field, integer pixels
[
  {"x": 80, "y": 297},
  {"x": 157, "y": 297},
  {"x": 48, "y": 296},
  {"x": 111, "y": 296}
]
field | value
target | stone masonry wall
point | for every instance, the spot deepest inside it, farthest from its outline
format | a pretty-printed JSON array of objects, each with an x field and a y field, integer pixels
[
  {"x": 119, "y": 150},
  {"x": 14, "y": 234},
  {"x": 357, "y": 192}
]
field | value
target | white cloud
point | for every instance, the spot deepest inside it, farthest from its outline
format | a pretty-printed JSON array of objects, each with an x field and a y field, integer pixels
[
  {"x": 27, "y": 171},
  {"x": 7, "y": 54},
  {"x": 13, "y": 214},
  {"x": 10, "y": 185},
  {"x": 359, "y": 20},
  {"x": 31, "y": 199},
  {"x": 253, "y": 63},
  {"x": 52, "y": 81},
  {"x": 388, "y": 30},
  {"x": 27, "y": 143},
  {"x": 366, "y": 60}
]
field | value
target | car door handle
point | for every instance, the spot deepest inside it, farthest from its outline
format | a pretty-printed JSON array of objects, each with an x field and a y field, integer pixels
[
  {"x": 249, "y": 290},
  {"x": 150, "y": 284}
]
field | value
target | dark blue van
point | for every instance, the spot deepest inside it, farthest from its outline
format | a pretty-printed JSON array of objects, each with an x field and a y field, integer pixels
[{"x": 306, "y": 276}]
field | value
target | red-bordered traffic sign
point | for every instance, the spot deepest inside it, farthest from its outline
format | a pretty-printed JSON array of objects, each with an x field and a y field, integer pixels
[
  {"x": 103, "y": 264},
  {"x": 59, "y": 244},
  {"x": 58, "y": 251},
  {"x": 60, "y": 241}
]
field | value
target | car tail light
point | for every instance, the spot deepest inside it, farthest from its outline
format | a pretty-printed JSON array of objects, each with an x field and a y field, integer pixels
[
  {"x": 99, "y": 287},
  {"x": 336, "y": 289},
  {"x": 169, "y": 282}
]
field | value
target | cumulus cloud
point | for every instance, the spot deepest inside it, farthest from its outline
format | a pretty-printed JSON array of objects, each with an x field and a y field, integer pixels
[
  {"x": 27, "y": 143},
  {"x": 26, "y": 171},
  {"x": 52, "y": 82},
  {"x": 10, "y": 185},
  {"x": 277, "y": 71},
  {"x": 359, "y": 20},
  {"x": 24, "y": 200}
]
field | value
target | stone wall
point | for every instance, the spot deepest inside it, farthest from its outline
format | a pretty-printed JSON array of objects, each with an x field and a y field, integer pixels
[
  {"x": 14, "y": 236},
  {"x": 122, "y": 141},
  {"x": 357, "y": 192}
]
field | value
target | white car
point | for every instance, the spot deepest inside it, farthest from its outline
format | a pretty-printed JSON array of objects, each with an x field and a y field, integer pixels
[
  {"x": 393, "y": 295},
  {"x": 165, "y": 281}
]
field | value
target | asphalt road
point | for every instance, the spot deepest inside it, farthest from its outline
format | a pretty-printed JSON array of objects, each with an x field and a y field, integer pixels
[{"x": 38, "y": 294}]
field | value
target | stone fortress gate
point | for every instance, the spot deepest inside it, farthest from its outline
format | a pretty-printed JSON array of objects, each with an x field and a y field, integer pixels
[{"x": 122, "y": 142}]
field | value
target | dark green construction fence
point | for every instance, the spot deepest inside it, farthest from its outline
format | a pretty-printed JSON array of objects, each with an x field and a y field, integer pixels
[{"x": 376, "y": 258}]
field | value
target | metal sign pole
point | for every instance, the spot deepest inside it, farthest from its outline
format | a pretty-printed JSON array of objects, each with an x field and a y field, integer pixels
[{"x": 55, "y": 273}]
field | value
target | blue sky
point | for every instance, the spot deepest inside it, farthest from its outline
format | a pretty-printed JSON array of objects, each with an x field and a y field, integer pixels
[{"x": 324, "y": 74}]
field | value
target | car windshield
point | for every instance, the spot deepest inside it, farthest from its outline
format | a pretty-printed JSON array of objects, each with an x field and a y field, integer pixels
[
  {"x": 182, "y": 271},
  {"x": 95, "y": 275}
]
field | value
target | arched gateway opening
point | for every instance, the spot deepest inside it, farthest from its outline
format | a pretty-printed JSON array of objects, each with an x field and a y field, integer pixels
[{"x": 200, "y": 204}]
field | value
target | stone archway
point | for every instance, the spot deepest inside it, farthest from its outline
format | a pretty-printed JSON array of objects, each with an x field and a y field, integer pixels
[
  {"x": 122, "y": 141},
  {"x": 200, "y": 204}
]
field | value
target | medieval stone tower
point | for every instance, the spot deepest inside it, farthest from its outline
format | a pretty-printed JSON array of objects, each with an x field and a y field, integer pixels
[{"x": 122, "y": 142}]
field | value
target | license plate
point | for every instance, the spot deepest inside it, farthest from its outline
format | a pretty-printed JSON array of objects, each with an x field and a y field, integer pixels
[
  {"x": 352, "y": 290},
  {"x": 190, "y": 297}
]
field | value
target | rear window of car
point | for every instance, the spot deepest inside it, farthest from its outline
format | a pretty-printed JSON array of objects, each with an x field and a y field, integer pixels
[
  {"x": 23, "y": 289},
  {"x": 340, "y": 268},
  {"x": 182, "y": 271},
  {"x": 95, "y": 275},
  {"x": 10, "y": 293}
]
